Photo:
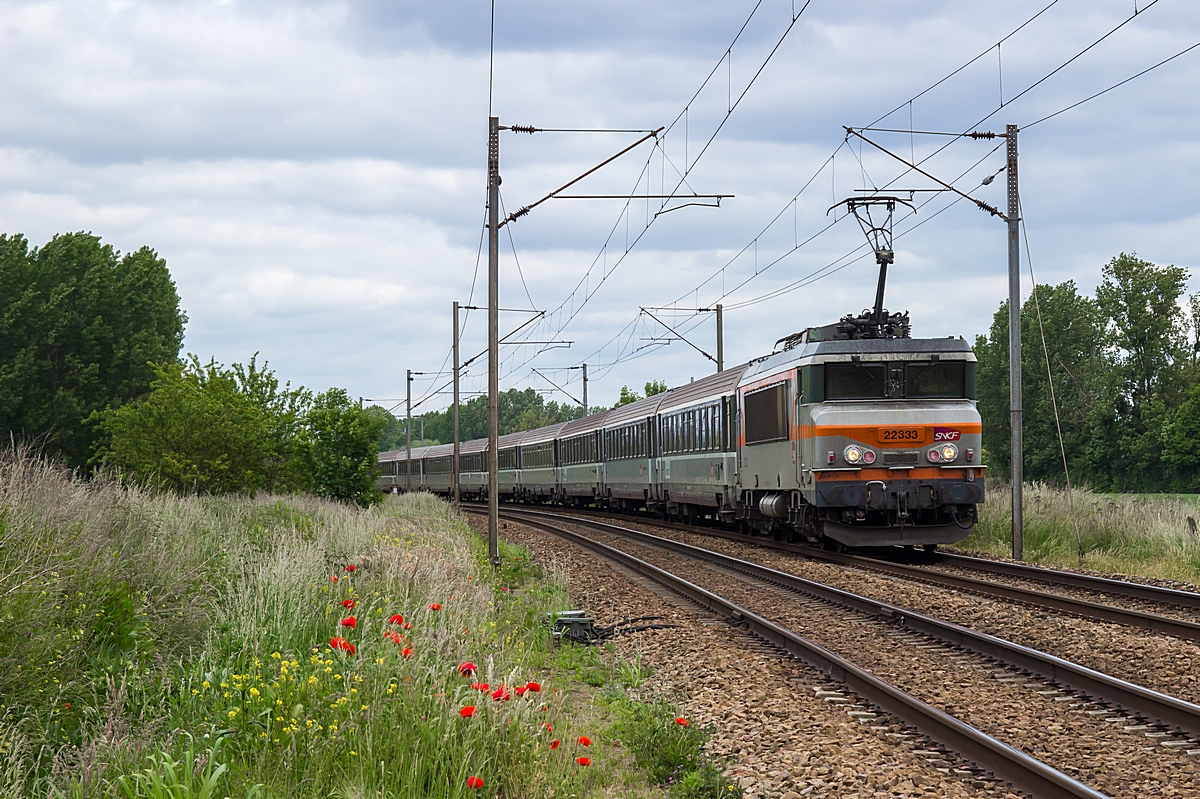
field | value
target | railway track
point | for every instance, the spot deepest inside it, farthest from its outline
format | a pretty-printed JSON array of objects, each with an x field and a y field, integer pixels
[
  {"x": 1088, "y": 582},
  {"x": 1007, "y": 764},
  {"x": 1155, "y": 622},
  {"x": 1143, "y": 710},
  {"x": 1168, "y": 711}
]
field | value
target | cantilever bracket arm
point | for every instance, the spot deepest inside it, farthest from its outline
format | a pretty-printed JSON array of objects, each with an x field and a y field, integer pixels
[
  {"x": 515, "y": 215},
  {"x": 681, "y": 336},
  {"x": 991, "y": 209}
]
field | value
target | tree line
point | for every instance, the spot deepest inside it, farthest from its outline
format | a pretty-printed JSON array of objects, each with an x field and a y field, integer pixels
[
  {"x": 90, "y": 373},
  {"x": 1125, "y": 366},
  {"x": 519, "y": 410}
]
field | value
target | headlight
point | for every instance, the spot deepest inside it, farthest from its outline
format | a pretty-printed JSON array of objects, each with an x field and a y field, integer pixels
[
  {"x": 852, "y": 454},
  {"x": 946, "y": 452}
]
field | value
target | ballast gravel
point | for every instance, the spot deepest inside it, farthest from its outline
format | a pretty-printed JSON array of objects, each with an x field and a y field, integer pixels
[
  {"x": 1029, "y": 715},
  {"x": 782, "y": 740},
  {"x": 1165, "y": 664}
]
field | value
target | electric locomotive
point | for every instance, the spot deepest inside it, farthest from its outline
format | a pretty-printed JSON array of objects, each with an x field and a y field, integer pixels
[{"x": 861, "y": 441}]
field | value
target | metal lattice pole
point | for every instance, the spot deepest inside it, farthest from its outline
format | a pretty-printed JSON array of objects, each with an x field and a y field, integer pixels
[
  {"x": 493, "y": 461},
  {"x": 1014, "y": 348},
  {"x": 454, "y": 461}
]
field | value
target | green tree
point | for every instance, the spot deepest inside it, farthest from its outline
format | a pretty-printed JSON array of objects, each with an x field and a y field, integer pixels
[
  {"x": 519, "y": 410},
  {"x": 656, "y": 387},
  {"x": 392, "y": 434},
  {"x": 627, "y": 397},
  {"x": 1148, "y": 337},
  {"x": 1181, "y": 440},
  {"x": 1123, "y": 368},
  {"x": 1075, "y": 336},
  {"x": 80, "y": 326},
  {"x": 196, "y": 431},
  {"x": 339, "y": 443}
]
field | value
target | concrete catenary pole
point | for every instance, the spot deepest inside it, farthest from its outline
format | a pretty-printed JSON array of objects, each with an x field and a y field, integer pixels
[
  {"x": 454, "y": 457},
  {"x": 585, "y": 405},
  {"x": 1014, "y": 346},
  {"x": 720, "y": 338},
  {"x": 493, "y": 460},
  {"x": 408, "y": 431}
]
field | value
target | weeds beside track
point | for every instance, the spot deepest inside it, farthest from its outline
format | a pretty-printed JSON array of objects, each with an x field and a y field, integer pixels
[{"x": 160, "y": 645}]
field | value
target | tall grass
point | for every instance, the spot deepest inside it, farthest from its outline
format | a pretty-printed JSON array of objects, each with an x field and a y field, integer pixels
[
  {"x": 143, "y": 631},
  {"x": 1135, "y": 534}
]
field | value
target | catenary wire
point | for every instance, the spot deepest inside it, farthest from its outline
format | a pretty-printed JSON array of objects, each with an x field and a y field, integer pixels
[
  {"x": 1114, "y": 86},
  {"x": 516, "y": 260},
  {"x": 607, "y": 271}
]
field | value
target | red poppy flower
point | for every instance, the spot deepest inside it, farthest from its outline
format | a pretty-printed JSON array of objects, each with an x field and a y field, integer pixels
[
  {"x": 408, "y": 626},
  {"x": 584, "y": 740},
  {"x": 547, "y": 727},
  {"x": 467, "y": 711},
  {"x": 474, "y": 783},
  {"x": 481, "y": 686},
  {"x": 682, "y": 722},
  {"x": 407, "y": 652},
  {"x": 584, "y": 761},
  {"x": 396, "y": 618},
  {"x": 348, "y": 603},
  {"x": 467, "y": 669},
  {"x": 520, "y": 689},
  {"x": 501, "y": 694},
  {"x": 338, "y": 642},
  {"x": 536, "y": 687},
  {"x": 555, "y": 743},
  {"x": 350, "y": 622},
  {"x": 435, "y": 606},
  {"x": 333, "y": 578},
  {"x": 67, "y": 704},
  {"x": 503, "y": 588},
  {"x": 350, "y": 567}
]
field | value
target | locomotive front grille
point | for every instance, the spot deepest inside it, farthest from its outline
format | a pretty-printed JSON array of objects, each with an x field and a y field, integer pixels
[{"x": 900, "y": 458}]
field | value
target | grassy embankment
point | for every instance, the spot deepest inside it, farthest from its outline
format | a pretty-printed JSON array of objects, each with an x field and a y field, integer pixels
[
  {"x": 1135, "y": 534},
  {"x": 157, "y": 646}
]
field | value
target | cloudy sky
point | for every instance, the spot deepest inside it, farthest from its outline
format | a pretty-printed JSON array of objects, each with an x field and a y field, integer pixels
[{"x": 314, "y": 172}]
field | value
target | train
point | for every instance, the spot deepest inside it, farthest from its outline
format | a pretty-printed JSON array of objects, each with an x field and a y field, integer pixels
[{"x": 871, "y": 436}]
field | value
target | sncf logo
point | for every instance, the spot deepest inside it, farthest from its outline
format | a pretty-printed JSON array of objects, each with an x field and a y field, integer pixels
[{"x": 946, "y": 434}]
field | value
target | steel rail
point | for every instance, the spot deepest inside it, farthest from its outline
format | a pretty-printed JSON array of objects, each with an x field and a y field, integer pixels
[
  {"x": 1106, "y": 585},
  {"x": 1167, "y": 710},
  {"x": 1003, "y": 761},
  {"x": 1154, "y": 622},
  {"x": 1079, "y": 607}
]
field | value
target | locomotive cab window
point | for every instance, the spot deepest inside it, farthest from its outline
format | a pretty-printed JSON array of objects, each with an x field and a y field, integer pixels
[
  {"x": 946, "y": 379},
  {"x": 845, "y": 381},
  {"x": 898, "y": 380}
]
